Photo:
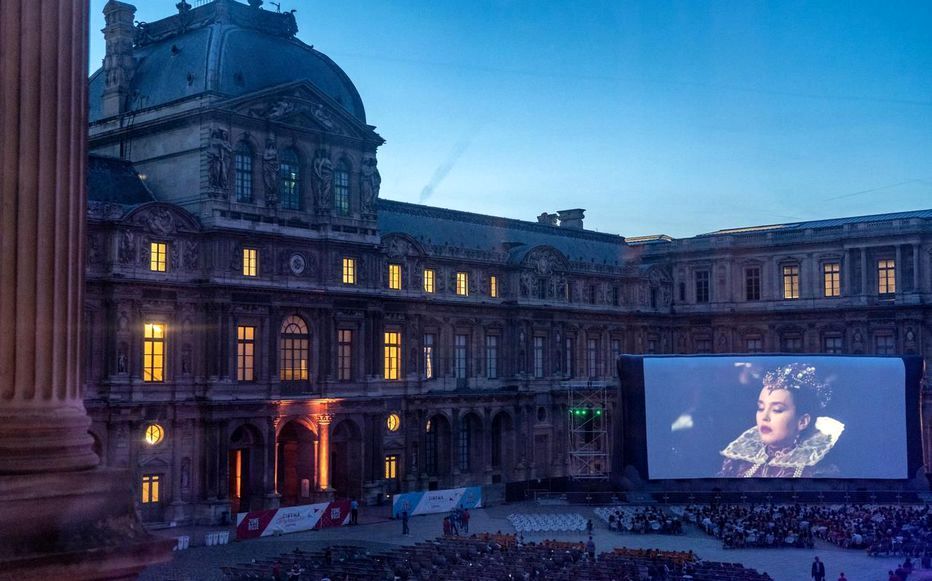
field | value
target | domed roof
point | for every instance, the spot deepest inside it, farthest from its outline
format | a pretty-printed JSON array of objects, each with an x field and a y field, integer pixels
[{"x": 229, "y": 49}]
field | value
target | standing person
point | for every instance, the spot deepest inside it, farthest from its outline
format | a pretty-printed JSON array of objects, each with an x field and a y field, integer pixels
[
  {"x": 465, "y": 519},
  {"x": 590, "y": 548},
  {"x": 818, "y": 570},
  {"x": 404, "y": 523},
  {"x": 589, "y": 528},
  {"x": 354, "y": 512}
]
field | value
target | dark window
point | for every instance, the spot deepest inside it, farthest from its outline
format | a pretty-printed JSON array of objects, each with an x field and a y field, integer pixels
[
  {"x": 752, "y": 284},
  {"x": 792, "y": 344},
  {"x": 242, "y": 165},
  {"x": 682, "y": 292},
  {"x": 290, "y": 180},
  {"x": 754, "y": 345},
  {"x": 491, "y": 356},
  {"x": 704, "y": 345},
  {"x": 570, "y": 357},
  {"x": 461, "y": 356},
  {"x": 341, "y": 198},
  {"x": 884, "y": 344},
  {"x": 702, "y": 286},
  {"x": 344, "y": 354},
  {"x": 832, "y": 344},
  {"x": 538, "y": 357}
]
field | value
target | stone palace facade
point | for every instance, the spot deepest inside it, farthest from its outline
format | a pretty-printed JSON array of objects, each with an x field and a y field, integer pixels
[{"x": 262, "y": 329}]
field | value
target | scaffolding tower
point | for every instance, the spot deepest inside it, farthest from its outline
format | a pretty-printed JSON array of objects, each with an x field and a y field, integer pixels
[{"x": 588, "y": 429}]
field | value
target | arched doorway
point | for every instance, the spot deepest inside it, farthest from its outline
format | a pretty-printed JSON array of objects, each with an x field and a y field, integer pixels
[
  {"x": 297, "y": 458},
  {"x": 469, "y": 445},
  {"x": 437, "y": 448},
  {"x": 346, "y": 459},
  {"x": 502, "y": 446},
  {"x": 246, "y": 467}
]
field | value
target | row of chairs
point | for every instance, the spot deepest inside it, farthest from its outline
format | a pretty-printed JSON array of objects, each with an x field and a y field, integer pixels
[{"x": 547, "y": 522}]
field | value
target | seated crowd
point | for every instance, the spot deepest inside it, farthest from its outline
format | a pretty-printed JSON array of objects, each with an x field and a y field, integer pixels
[
  {"x": 641, "y": 520},
  {"x": 489, "y": 557},
  {"x": 881, "y": 530}
]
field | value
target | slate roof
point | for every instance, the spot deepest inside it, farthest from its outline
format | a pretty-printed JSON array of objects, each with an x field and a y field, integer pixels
[
  {"x": 115, "y": 181},
  {"x": 230, "y": 49},
  {"x": 438, "y": 227},
  {"x": 828, "y": 223}
]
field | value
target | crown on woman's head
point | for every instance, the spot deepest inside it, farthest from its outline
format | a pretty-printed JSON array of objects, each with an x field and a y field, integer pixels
[{"x": 798, "y": 376}]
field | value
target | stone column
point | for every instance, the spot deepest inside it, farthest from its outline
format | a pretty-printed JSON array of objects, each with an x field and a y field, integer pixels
[
  {"x": 58, "y": 509},
  {"x": 323, "y": 451}
]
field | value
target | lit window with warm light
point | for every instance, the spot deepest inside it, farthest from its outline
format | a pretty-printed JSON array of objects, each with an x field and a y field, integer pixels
[
  {"x": 393, "y": 422},
  {"x": 150, "y": 488},
  {"x": 831, "y": 275},
  {"x": 293, "y": 350},
  {"x": 392, "y": 355},
  {"x": 394, "y": 276},
  {"x": 429, "y": 277},
  {"x": 250, "y": 262},
  {"x": 791, "y": 281},
  {"x": 245, "y": 353},
  {"x": 462, "y": 283},
  {"x": 153, "y": 360},
  {"x": 158, "y": 256},
  {"x": 391, "y": 467},
  {"x": 154, "y": 434},
  {"x": 493, "y": 287},
  {"x": 349, "y": 270},
  {"x": 886, "y": 276}
]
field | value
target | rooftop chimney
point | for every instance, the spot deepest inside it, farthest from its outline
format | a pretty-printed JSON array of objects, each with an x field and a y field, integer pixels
[
  {"x": 118, "y": 62},
  {"x": 572, "y": 219},
  {"x": 547, "y": 219}
]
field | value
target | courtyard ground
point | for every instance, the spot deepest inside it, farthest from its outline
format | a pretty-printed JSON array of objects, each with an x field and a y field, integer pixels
[{"x": 375, "y": 532}]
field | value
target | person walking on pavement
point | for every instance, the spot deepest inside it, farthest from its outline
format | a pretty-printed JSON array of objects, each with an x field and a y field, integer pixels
[
  {"x": 354, "y": 512},
  {"x": 818, "y": 570},
  {"x": 404, "y": 523},
  {"x": 465, "y": 520}
]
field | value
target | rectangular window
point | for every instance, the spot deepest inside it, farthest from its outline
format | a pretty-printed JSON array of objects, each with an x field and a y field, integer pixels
[
  {"x": 344, "y": 354},
  {"x": 616, "y": 297},
  {"x": 491, "y": 356},
  {"x": 150, "y": 488},
  {"x": 153, "y": 363},
  {"x": 250, "y": 262},
  {"x": 538, "y": 357},
  {"x": 237, "y": 473},
  {"x": 704, "y": 345},
  {"x": 832, "y": 345},
  {"x": 245, "y": 353},
  {"x": 593, "y": 294},
  {"x": 831, "y": 279},
  {"x": 570, "y": 357},
  {"x": 792, "y": 344},
  {"x": 493, "y": 286},
  {"x": 462, "y": 283},
  {"x": 341, "y": 192},
  {"x": 429, "y": 280},
  {"x": 752, "y": 284},
  {"x": 429, "y": 356},
  {"x": 460, "y": 356},
  {"x": 616, "y": 351},
  {"x": 592, "y": 358},
  {"x": 391, "y": 467},
  {"x": 791, "y": 281},
  {"x": 158, "y": 256},
  {"x": 392, "y": 355},
  {"x": 702, "y": 286},
  {"x": 884, "y": 344},
  {"x": 349, "y": 270},
  {"x": 886, "y": 276},
  {"x": 243, "y": 173},
  {"x": 394, "y": 276},
  {"x": 682, "y": 292},
  {"x": 754, "y": 345}
]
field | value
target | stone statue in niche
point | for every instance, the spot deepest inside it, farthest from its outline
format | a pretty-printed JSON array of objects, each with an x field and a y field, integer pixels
[
  {"x": 371, "y": 182},
  {"x": 323, "y": 179},
  {"x": 122, "y": 360},
  {"x": 219, "y": 160},
  {"x": 270, "y": 170},
  {"x": 127, "y": 250},
  {"x": 185, "y": 473},
  {"x": 186, "y": 359}
]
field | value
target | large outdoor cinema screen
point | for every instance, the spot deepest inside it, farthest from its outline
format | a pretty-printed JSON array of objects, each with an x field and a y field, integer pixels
[{"x": 773, "y": 416}]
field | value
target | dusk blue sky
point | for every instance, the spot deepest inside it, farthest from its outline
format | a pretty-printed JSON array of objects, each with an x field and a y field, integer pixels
[{"x": 656, "y": 117}]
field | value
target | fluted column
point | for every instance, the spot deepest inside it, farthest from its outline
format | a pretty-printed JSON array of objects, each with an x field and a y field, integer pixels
[
  {"x": 323, "y": 451},
  {"x": 43, "y": 65}
]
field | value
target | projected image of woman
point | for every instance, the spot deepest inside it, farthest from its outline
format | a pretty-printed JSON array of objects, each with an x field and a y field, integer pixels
[{"x": 789, "y": 439}]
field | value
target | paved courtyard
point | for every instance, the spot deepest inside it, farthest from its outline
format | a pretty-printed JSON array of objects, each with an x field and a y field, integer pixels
[{"x": 203, "y": 563}]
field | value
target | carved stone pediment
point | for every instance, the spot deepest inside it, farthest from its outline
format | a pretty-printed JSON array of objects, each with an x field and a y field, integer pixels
[
  {"x": 544, "y": 260},
  {"x": 163, "y": 219},
  {"x": 299, "y": 109}
]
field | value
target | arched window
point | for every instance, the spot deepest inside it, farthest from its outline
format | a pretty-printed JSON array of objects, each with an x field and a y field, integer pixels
[
  {"x": 341, "y": 203},
  {"x": 243, "y": 167},
  {"x": 293, "y": 349},
  {"x": 290, "y": 180}
]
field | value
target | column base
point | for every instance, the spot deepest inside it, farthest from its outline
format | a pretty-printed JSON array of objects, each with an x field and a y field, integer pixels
[{"x": 80, "y": 526}]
